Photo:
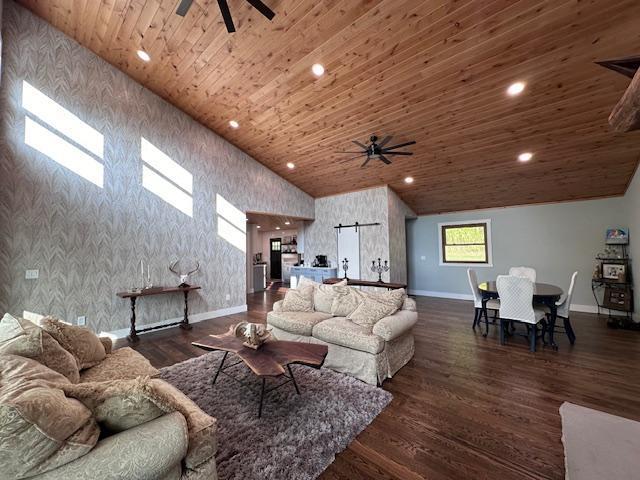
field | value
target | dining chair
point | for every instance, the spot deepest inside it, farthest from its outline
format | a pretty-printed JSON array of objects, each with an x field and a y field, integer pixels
[
  {"x": 516, "y": 305},
  {"x": 477, "y": 300},
  {"x": 526, "y": 272},
  {"x": 563, "y": 309}
]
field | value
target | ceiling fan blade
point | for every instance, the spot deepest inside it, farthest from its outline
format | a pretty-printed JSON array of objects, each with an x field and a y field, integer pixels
[
  {"x": 363, "y": 153},
  {"x": 385, "y": 159},
  {"x": 262, "y": 8},
  {"x": 226, "y": 15},
  {"x": 365, "y": 162},
  {"x": 361, "y": 145},
  {"x": 401, "y": 145},
  {"x": 397, "y": 153},
  {"x": 385, "y": 141},
  {"x": 183, "y": 8}
]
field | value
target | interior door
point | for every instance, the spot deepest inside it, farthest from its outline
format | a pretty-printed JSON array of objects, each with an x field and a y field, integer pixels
[{"x": 275, "y": 258}]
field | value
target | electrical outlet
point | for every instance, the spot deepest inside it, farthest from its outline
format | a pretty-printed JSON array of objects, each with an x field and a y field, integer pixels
[
  {"x": 228, "y": 297},
  {"x": 82, "y": 321},
  {"x": 32, "y": 274}
]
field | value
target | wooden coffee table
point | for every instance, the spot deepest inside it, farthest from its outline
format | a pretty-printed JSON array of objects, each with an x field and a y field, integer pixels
[{"x": 270, "y": 360}]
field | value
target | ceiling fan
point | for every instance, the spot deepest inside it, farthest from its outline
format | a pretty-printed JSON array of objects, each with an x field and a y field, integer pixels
[
  {"x": 184, "y": 6},
  {"x": 378, "y": 150}
]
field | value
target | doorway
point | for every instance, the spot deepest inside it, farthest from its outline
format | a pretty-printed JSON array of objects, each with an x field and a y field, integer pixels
[{"x": 275, "y": 258}]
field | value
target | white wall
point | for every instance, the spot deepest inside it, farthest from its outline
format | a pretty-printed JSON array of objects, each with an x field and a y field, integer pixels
[
  {"x": 632, "y": 200},
  {"x": 556, "y": 239}
]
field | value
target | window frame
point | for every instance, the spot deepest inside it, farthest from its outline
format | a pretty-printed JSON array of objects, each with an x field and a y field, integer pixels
[{"x": 486, "y": 223}]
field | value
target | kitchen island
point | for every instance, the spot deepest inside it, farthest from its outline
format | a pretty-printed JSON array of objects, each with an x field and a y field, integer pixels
[{"x": 317, "y": 274}]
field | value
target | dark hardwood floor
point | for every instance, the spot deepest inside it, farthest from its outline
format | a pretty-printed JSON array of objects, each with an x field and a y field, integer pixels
[{"x": 466, "y": 407}]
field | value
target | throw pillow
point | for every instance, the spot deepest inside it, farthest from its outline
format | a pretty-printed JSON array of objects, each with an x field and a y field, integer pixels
[
  {"x": 33, "y": 342},
  {"x": 323, "y": 295},
  {"x": 376, "y": 306},
  {"x": 299, "y": 300},
  {"x": 15, "y": 339},
  {"x": 81, "y": 342},
  {"x": 40, "y": 428},
  {"x": 116, "y": 405},
  {"x": 346, "y": 301}
]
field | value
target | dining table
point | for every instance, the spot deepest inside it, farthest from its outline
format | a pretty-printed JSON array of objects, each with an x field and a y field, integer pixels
[{"x": 543, "y": 293}]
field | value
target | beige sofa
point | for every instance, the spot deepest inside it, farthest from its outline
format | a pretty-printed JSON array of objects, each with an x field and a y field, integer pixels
[
  {"x": 172, "y": 438},
  {"x": 369, "y": 353}
]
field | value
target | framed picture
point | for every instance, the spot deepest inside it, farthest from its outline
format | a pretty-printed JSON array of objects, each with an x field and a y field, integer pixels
[
  {"x": 614, "y": 271},
  {"x": 617, "y": 236}
]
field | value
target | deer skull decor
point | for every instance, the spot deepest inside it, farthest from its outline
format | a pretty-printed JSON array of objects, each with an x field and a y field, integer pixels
[{"x": 184, "y": 277}]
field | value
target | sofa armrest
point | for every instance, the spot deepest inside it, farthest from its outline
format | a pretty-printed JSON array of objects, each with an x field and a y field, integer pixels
[
  {"x": 107, "y": 343},
  {"x": 148, "y": 451},
  {"x": 277, "y": 307},
  {"x": 395, "y": 325}
]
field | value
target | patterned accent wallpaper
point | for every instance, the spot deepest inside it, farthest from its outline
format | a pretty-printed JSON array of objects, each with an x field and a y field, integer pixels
[
  {"x": 386, "y": 241},
  {"x": 87, "y": 224}
]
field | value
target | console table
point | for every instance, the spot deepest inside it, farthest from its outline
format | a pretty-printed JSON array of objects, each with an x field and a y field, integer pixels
[
  {"x": 366, "y": 283},
  {"x": 133, "y": 296}
]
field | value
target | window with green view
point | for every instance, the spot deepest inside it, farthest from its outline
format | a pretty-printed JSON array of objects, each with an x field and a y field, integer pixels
[{"x": 464, "y": 243}]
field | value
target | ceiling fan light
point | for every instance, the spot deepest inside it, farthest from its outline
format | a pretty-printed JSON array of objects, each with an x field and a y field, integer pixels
[
  {"x": 408, "y": 180},
  {"x": 525, "y": 157}
]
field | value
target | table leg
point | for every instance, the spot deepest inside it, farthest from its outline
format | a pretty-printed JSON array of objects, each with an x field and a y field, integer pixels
[
  {"x": 133, "y": 335},
  {"x": 293, "y": 379},
  {"x": 552, "y": 323},
  {"x": 264, "y": 380},
  {"x": 486, "y": 317},
  {"x": 185, "y": 321},
  {"x": 219, "y": 368}
]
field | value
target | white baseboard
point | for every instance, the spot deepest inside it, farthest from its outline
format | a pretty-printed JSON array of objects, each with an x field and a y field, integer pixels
[
  {"x": 468, "y": 296},
  {"x": 193, "y": 318},
  {"x": 431, "y": 293}
]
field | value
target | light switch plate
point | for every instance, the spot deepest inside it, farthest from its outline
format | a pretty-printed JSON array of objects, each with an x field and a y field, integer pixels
[
  {"x": 228, "y": 297},
  {"x": 423, "y": 258},
  {"x": 82, "y": 321},
  {"x": 32, "y": 274}
]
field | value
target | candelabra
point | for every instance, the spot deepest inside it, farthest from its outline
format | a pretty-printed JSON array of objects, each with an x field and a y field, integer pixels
[
  {"x": 379, "y": 268},
  {"x": 345, "y": 267}
]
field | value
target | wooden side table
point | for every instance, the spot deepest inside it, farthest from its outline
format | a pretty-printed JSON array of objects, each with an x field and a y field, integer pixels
[{"x": 133, "y": 296}]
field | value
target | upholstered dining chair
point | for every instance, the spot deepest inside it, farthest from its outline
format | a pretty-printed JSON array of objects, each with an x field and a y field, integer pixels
[
  {"x": 477, "y": 300},
  {"x": 526, "y": 272},
  {"x": 516, "y": 305},
  {"x": 563, "y": 308}
]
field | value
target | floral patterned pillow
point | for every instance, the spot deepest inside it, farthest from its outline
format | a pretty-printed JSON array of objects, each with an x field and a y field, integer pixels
[
  {"x": 376, "y": 306},
  {"x": 298, "y": 300}
]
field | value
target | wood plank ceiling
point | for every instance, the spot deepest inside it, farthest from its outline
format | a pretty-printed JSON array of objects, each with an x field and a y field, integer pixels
[{"x": 434, "y": 71}]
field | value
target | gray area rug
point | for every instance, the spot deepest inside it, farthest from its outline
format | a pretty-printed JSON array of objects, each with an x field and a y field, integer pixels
[
  {"x": 297, "y": 437},
  {"x": 599, "y": 446}
]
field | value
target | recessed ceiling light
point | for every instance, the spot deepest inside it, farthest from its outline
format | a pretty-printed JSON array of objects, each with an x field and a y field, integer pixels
[
  {"x": 258, "y": 226},
  {"x": 233, "y": 124},
  {"x": 290, "y": 166},
  {"x": 287, "y": 223},
  {"x": 525, "y": 157},
  {"x": 516, "y": 88},
  {"x": 277, "y": 228},
  {"x": 143, "y": 55},
  {"x": 317, "y": 69},
  {"x": 408, "y": 180}
]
